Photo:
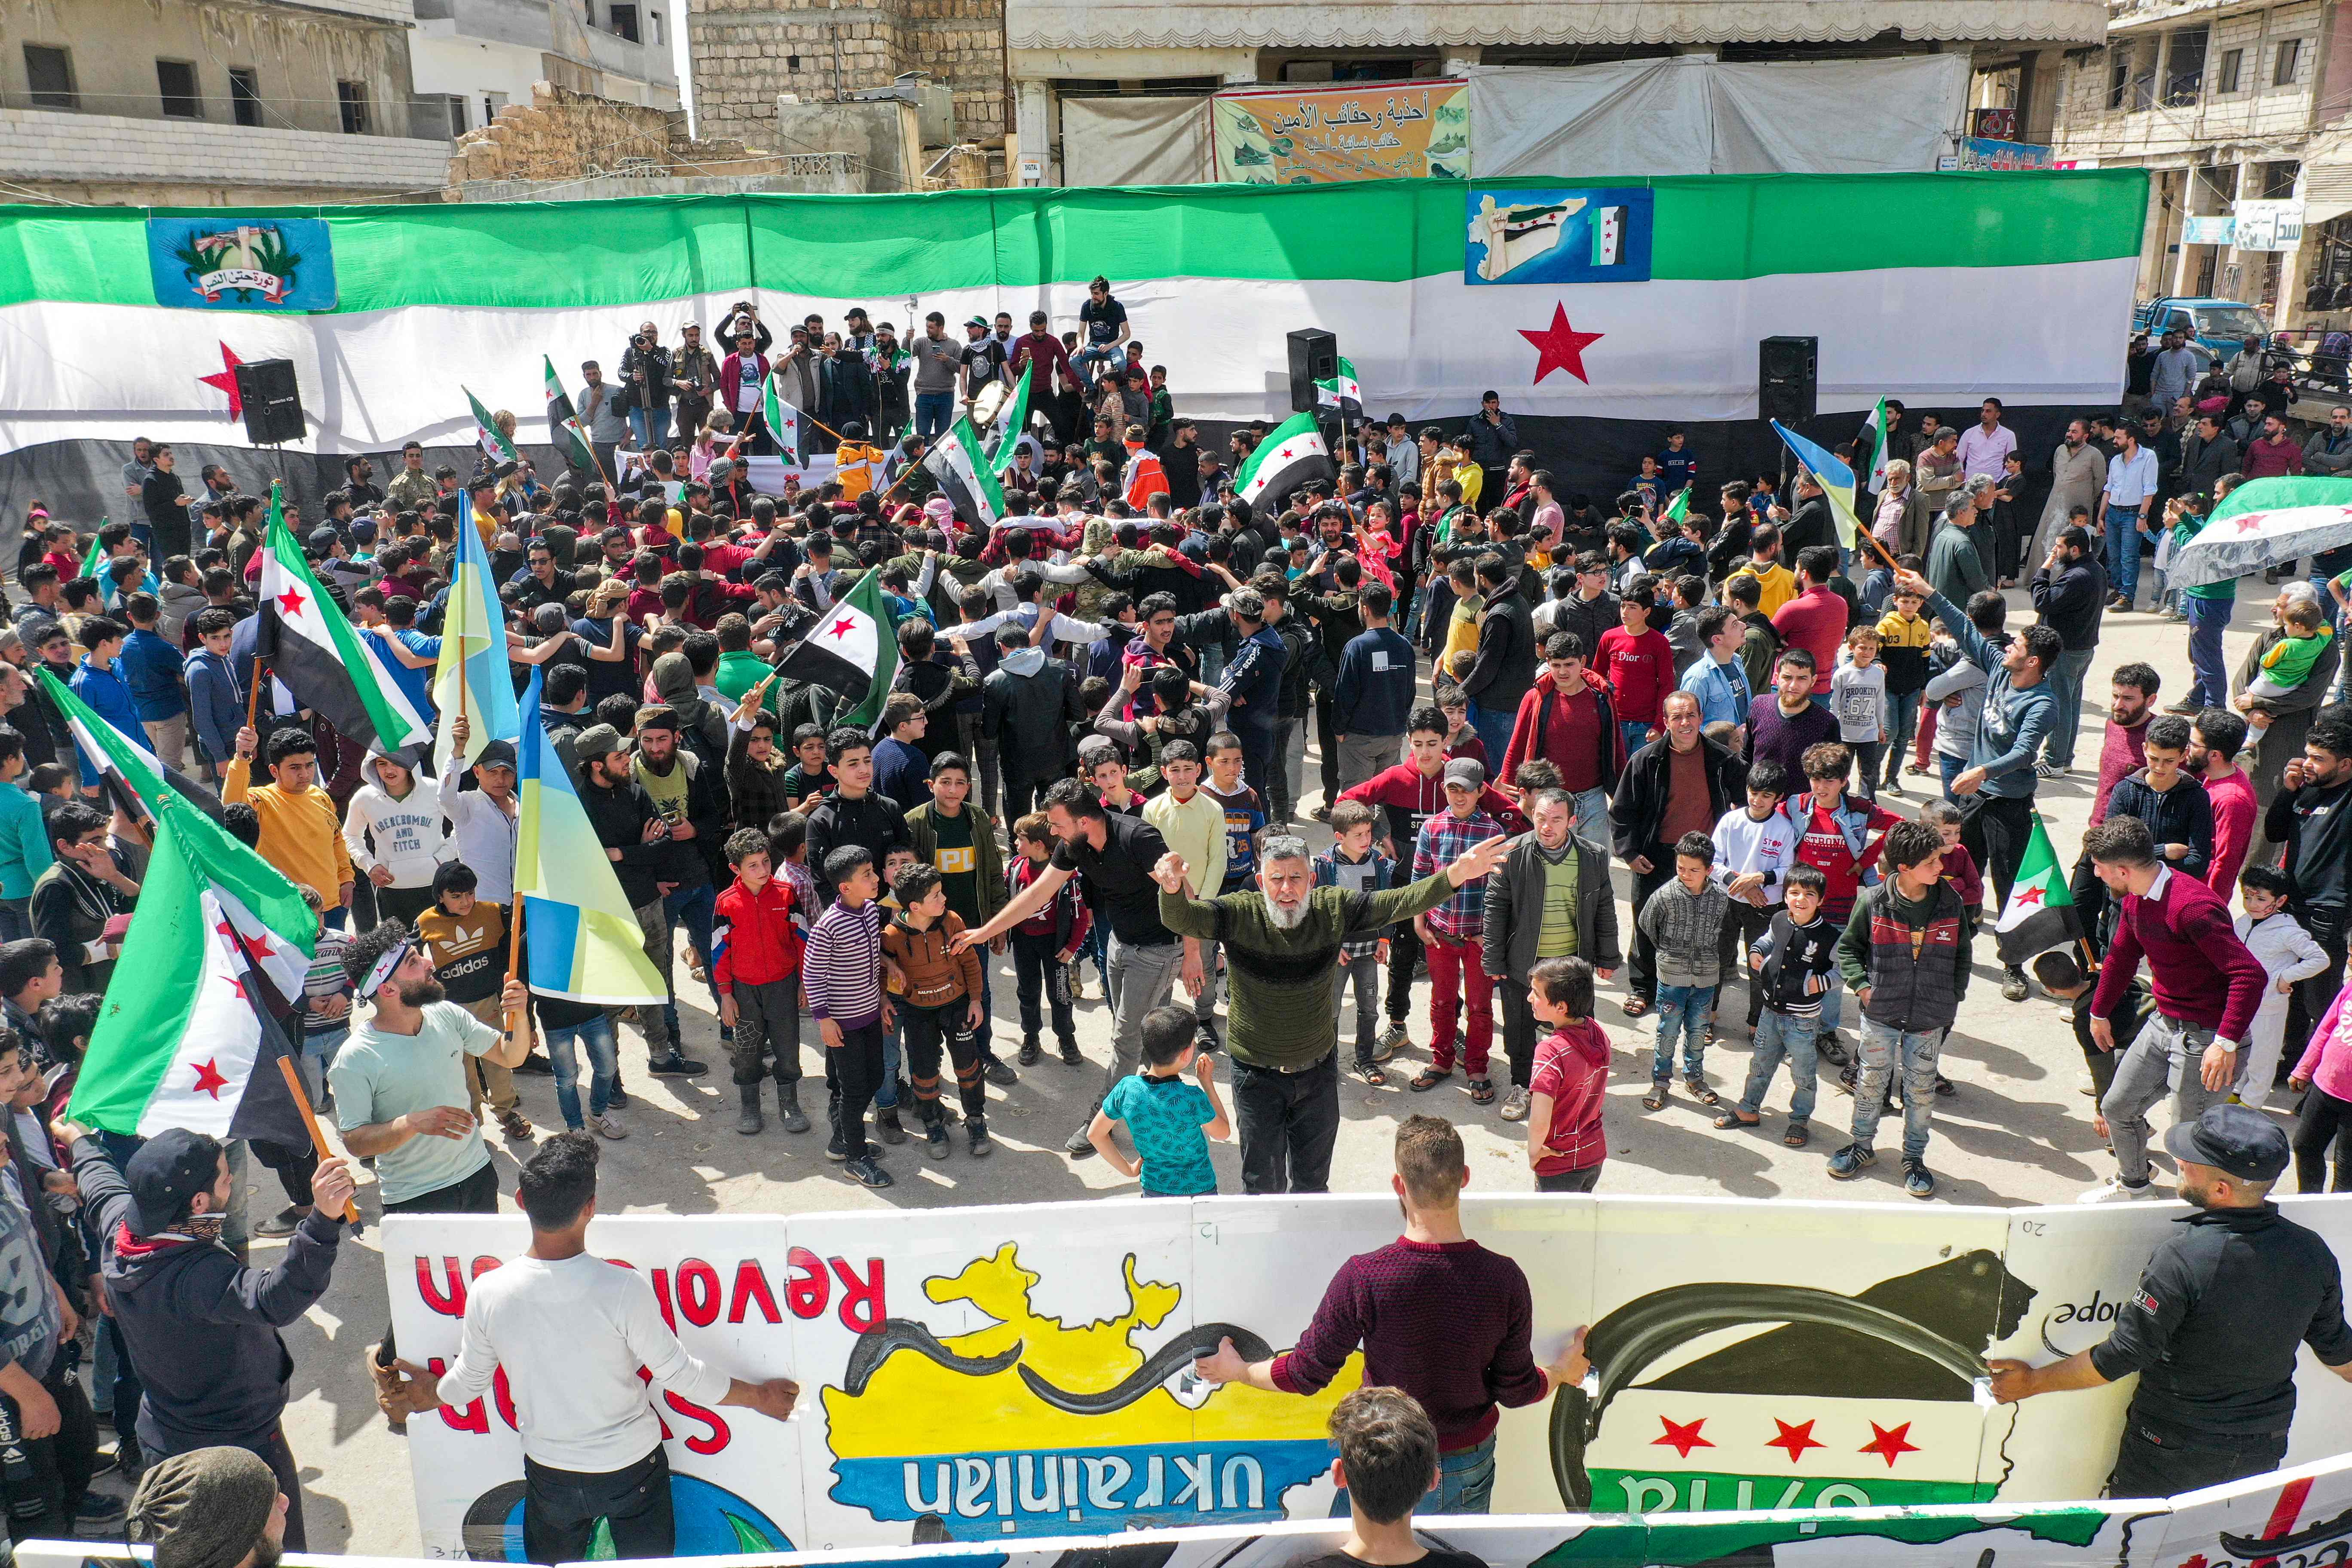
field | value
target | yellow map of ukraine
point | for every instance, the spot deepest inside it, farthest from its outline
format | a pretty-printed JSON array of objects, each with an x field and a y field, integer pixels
[{"x": 1030, "y": 1423}]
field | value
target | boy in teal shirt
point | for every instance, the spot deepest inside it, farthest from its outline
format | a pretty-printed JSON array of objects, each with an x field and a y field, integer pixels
[
  {"x": 24, "y": 851},
  {"x": 1165, "y": 1114}
]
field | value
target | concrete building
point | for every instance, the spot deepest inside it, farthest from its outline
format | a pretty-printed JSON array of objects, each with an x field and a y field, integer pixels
[
  {"x": 211, "y": 102},
  {"x": 474, "y": 57},
  {"x": 2230, "y": 105}
]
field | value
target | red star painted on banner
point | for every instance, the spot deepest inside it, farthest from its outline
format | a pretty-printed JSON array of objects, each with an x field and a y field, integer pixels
[
  {"x": 1886, "y": 1445},
  {"x": 290, "y": 602},
  {"x": 258, "y": 946},
  {"x": 226, "y": 381},
  {"x": 2284, "y": 1513},
  {"x": 1681, "y": 1436},
  {"x": 2251, "y": 522},
  {"x": 2196, "y": 1560},
  {"x": 1561, "y": 347},
  {"x": 209, "y": 1079},
  {"x": 2029, "y": 896},
  {"x": 1795, "y": 1439},
  {"x": 841, "y": 628}
]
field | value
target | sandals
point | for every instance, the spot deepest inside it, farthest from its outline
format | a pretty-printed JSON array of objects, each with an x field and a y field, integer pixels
[
  {"x": 1372, "y": 1074},
  {"x": 1428, "y": 1078},
  {"x": 1656, "y": 1099},
  {"x": 1635, "y": 1007},
  {"x": 1795, "y": 1137},
  {"x": 1731, "y": 1119},
  {"x": 1482, "y": 1091},
  {"x": 1700, "y": 1092}
]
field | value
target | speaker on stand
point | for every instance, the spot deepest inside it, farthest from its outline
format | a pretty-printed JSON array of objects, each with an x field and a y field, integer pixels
[
  {"x": 1788, "y": 378},
  {"x": 272, "y": 401}
]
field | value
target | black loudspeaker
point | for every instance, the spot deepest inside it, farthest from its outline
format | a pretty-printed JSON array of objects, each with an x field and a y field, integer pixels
[
  {"x": 1788, "y": 378},
  {"x": 273, "y": 403},
  {"x": 1314, "y": 356}
]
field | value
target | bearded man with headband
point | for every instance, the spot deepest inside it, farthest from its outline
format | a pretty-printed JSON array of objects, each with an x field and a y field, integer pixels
[{"x": 1282, "y": 943}]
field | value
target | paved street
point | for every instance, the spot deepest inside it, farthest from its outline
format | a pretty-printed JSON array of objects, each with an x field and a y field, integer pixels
[{"x": 2016, "y": 1132}]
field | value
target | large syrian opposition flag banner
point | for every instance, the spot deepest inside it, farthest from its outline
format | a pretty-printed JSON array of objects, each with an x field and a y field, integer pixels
[
  {"x": 312, "y": 649},
  {"x": 1292, "y": 453},
  {"x": 964, "y": 476},
  {"x": 852, "y": 649},
  {"x": 1213, "y": 283},
  {"x": 2265, "y": 522}
]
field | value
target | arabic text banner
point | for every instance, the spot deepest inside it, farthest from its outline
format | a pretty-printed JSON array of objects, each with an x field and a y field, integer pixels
[
  {"x": 1365, "y": 131},
  {"x": 991, "y": 1374}
]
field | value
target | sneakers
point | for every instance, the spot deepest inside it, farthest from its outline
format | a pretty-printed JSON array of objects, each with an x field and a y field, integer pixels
[
  {"x": 98, "y": 1514},
  {"x": 619, "y": 1098},
  {"x": 1030, "y": 1051},
  {"x": 2048, "y": 770},
  {"x": 605, "y": 1127},
  {"x": 886, "y": 1127},
  {"x": 1852, "y": 1161},
  {"x": 1514, "y": 1105},
  {"x": 1001, "y": 1073},
  {"x": 2012, "y": 983},
  {"x": 1391, "y": 1039},
  {"x": 2085, "y": 1085},
  {"x": 976, "y": 1131},
  {"x": 1917, "y": 1179},
  {"x": 285, "y": 1222},
  {"x": 1204, "y": 1036},
  {"x": 935, "y": 1139},
  {"x": 1831, "y": 1049},
  {"x": 866, "y": 1173},
  {"x": 788, "y": 1107},
  {"x": 675, "y": 1065},
  {"x": 1078, "y": 1145},
  {"x": 2115, "y": 1190},
  {"x": 1069, "y": 1049}
]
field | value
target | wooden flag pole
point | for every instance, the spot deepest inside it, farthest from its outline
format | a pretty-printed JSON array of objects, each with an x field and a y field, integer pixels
[
  {"x": 517, "y": 1023},
  {"x": 253, "y": 697},
  {"x": 293, "y": 1077}
]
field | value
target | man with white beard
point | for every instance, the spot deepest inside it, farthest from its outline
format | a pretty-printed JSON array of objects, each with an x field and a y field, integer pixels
[{"x": 1281, "y": 949}]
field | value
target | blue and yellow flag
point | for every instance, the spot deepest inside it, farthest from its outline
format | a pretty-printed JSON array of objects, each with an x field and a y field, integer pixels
[
  {"x": 581, "y": 939},
  {"x": 472, "y": 677}
]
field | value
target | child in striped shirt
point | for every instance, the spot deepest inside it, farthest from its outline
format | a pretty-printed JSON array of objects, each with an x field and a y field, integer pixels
[
  {"x": 325, "y": 1000},
  {"x": 842, "y": 972}
]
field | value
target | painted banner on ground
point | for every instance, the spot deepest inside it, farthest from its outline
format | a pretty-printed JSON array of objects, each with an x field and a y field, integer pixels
[
  {"x": 993, "y": 1374},
  {"x": 1212, "y": 277},
  {"x": 1359, "y": 131}
]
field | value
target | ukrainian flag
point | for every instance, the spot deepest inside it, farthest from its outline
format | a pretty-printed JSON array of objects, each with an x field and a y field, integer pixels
[
  {"x": 581, "y": 939},
  {"x": 471, "y": 677}
]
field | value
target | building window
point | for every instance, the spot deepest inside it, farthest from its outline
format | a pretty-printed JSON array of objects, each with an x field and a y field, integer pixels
[
  {"x": 2289, "y": 60},
  {"x": 2131, "y": 74},
  {"x": 2233, "y": 69},
  {"x": 49, "y": 74},
  {"x": 351, "y": 98},
  {"x": 792, "y": 62},
  {"x": 654, "y": 17},
  {"x": 625, "y": 22},
  {"x": 176, "y": 80},
  {"x": 456, "y": 110},
  {"x": 244, "y": 95},
  {"x": 2185, "y": 71},
  {"x": 2278, "y": 179}
]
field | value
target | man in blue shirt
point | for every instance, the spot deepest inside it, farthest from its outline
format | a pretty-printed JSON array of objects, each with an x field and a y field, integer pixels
[
  {"x": 413, "y": 673},
  {"x": 1717, "y": 678},
  {"x": 1372, "y": 703},
  {"x": 1253, "y": 679},
  {"x": 97, "y": 681},
  {"x": 152, "y": 667}
]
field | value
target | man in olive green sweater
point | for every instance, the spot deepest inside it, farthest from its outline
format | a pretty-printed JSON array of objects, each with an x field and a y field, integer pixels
[{"x": 1281, "y": 949}]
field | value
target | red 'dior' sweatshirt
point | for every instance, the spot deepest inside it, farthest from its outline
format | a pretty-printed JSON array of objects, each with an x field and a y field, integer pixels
[{"x": 2201, "y": 973}]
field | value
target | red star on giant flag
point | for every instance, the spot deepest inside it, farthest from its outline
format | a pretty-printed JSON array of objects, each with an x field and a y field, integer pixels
[
  {"x": 1681, "y": 1436},
  {"x": 2029, "y": 896},
  {"x": 1560, "y": 346},
  {"x": 209, "y": 1079},
  {"x": 1795, "y": 1439},
  {"x": 842, "y": 628},
  {"x": 290, "y": 602},
  {"x": 2251, "y": 522},
  {"x": 1886, "y": 1445},
  {"x": 226, "y": 381}
]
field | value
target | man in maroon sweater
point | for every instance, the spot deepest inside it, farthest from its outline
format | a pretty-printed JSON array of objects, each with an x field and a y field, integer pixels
[
  {"x": 1815, "y": 619},
  {"x": 2207, "y": 988},
  {"x": 1437, "y": 1315}
]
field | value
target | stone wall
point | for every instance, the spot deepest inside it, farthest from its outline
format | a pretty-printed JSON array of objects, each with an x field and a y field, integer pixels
[
  {"x": 564, "y": 135},
  {"x": 746, "y": 52},
  {"x": 113, "y": 160}
]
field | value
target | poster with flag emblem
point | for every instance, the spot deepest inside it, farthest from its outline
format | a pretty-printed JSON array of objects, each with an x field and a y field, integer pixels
[{"x": 2040, "y": 913}]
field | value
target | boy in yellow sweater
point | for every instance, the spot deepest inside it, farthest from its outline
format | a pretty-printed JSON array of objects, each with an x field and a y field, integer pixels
[{"x": 302, "y": 833}]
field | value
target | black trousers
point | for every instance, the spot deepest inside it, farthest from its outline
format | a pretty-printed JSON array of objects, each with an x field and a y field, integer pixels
[
  {"x": 925, "y": 1032},
  {"x": 1289, "y": 1122},
  {"x": 294, "y": 1167},
  {"x": 1518, "y": 1029},
  {"x": 1995, "y": 828},
  {"x": 561, "y": 1508},
  {"x": 1035, "y": 977},
  {"x": 1404, "y": 957},
  {"x": 1022, "y": 791},
  {"x": 2158, "y": 1461},
  {"x": 61, "y": 1462},
  {"x": 2324, "y": 1119},
  {"x": 852, "y": 1075},
  {"x": 1643, "y": 980},
  {"x": 1327, "y": 736},
  {"x": 1744, "y": 921}
]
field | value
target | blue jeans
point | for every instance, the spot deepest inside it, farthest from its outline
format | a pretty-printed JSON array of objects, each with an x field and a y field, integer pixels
[
  {"x": 2123, "y": 548},
  {"x": 2066, "y": 685},
  {"x": 1778, "y": 1037},
  {"x": 1916, "y": 1050},
  {"x": 1465, "y": 1483},
  {"x": 1635, "y": 730},
  {"x": 604, "y": 1050},
  {"x": 1950, "y": 767},
  {"x": 1592, "y": 818},
  {"x": 1682, "y": 1011},
  {"x": 692, "y": 908},
  {"x": 323, "y": 1048},
  {"x": 933, "y": 412},
  {"x": 1905, "y": 725},
  {"x": 1493, "y": 727},
  {"x": 1086, "y": 359},
  {"x": 2208, "y": 618},
  {"x": 16, "y": 919},
  {"x": 652, "y": 426}
]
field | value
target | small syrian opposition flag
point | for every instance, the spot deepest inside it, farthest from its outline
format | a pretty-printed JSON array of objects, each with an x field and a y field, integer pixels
[
  {"x": 786, "y": 426},
  {"x": 2040, "y": 913},
  {"x": 1009, "y": 423},
  {"x": 1342, "y": 391},
  {"x": 852, "y": 649},
  {"x": 1678, "y": 509},
  {"x": 95, "y": 562},
  {"x": 189, "y": 1035},
  {"x": 133, "y": 776},
  {"x": 1874, "y": 438},
  {"x": 485, "y": 433},
  {"x": 1608, "y": 235},
  {"x": 564, "y": 422},
  {"x": 312, "y": 649},
  {"x": 964, "y": 476},
  {"x": 1292, "y": 453}
]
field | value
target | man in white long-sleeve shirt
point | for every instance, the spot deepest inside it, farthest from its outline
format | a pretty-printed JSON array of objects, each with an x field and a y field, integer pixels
[
  {"x": 484, "y": 823},
  {"x": 572, "y": 1329}
]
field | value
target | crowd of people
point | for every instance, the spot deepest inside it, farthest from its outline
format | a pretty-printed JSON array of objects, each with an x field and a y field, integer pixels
[{"x": 1815, "y": 757}]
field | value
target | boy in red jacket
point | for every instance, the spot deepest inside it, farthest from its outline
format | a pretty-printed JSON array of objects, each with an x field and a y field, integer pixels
[{"x": 755, "y": 962}]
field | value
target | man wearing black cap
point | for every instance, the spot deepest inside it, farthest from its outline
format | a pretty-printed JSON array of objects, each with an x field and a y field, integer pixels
[
  {"x": 2213, "y": 1327},
  {"x": 203, "y": 1330}
]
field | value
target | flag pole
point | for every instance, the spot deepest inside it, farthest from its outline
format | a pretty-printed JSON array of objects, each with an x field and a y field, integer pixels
[
  {"x": 517, "y": 1023},
  {"x": 294, "y": 1085},
  {"x": 253, "y": 694}
]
